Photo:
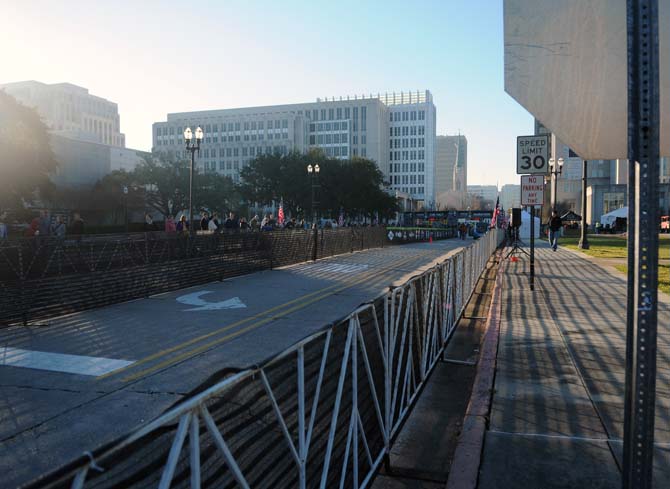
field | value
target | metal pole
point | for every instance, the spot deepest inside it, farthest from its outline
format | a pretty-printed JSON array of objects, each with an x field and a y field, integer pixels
[
  {"x": 643, "y": 156},
  {"x": 191, "y": 226},
  {"x": 584, "y": 240},
  {"x": 532, "y": 247},
  {"x": 311, "y": 177},
  {"x": 554, "y": 190}
]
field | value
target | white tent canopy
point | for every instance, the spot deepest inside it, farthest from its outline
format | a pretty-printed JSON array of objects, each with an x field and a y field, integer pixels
[{"x": 610, "y": 217}]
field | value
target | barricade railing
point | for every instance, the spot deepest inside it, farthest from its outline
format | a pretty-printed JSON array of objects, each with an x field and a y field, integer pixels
[
  {"x": 323, "y": 413},
  {"x": 45, "y": 277}
]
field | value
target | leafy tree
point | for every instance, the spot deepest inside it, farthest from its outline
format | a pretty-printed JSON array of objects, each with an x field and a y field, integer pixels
[
  {"x": 167, "y": 180},
  {"x": 354, "y": 185},
  {"x": 27, "y": 158}
]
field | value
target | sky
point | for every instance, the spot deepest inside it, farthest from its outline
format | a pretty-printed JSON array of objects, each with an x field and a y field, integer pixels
[{"x": 157, "y": 57}]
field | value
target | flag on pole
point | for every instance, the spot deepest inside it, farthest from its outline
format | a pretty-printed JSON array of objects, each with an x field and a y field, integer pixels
[
  {"x": 494, "y": 219},
  {"x": 340, "y": 220},
  {"x": 280, "y": 214}
]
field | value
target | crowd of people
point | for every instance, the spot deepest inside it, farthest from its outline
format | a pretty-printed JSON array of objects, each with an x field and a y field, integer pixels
[
  {"x": 45, "y": 225},
  {"x": 215, "y": 224}
]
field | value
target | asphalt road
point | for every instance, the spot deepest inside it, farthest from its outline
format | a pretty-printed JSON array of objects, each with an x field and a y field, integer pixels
[{"x": 90, "y": 377}]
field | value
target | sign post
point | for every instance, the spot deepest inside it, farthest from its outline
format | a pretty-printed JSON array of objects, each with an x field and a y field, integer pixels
[{"x": 532, "y": 194}]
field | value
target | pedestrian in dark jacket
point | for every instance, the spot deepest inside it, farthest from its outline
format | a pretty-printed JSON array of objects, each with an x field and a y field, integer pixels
[
  {"x": 555, "y": 224},
  {"x": 77, "y": 226}
]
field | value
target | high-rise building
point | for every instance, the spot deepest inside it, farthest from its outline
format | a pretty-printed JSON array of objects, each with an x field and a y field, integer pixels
[
  {"x": 510, "y": 196},
  {"x": 84, "y": 131},
  {"x": 487, "y": 193},
  {"x": 451, "y": 171},
  {"x": 70, "y": 111},
  {"x": 396, "y": 130}
]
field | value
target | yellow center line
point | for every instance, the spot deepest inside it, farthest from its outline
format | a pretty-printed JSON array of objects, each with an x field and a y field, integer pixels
[
  {"x": 218, "y": 341},
  {"x": 190, "y": 342}
]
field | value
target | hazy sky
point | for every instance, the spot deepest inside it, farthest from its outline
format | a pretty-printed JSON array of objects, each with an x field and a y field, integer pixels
[{"x": 154, "y": 57}]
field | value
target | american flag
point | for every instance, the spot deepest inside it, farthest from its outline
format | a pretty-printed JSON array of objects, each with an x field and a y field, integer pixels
[
  {"x": 280, "y": 214},
  {"x": 340, "y": 220},
  {"x": 494, "y": 219}
]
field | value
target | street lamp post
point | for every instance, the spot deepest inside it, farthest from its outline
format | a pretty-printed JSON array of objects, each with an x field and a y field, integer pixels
[
  {"x": 583, "y": 239},
  {"x": 193, "y": 148},
  {"x": 125, "y": 207},
  {"x": 555, "y": 168},
  {"x": 313, "y": 172}
]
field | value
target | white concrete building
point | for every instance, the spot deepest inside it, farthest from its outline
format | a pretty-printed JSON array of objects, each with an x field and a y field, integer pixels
[
  {"x": 451, "y": 171},
  {"x": 397, "y": 131},
  {"x": 84, "y": 131},
  {"x": 510, "y": 196},
  {"x": 486, "y": 192},
  {"x": 70, "y": 111}
]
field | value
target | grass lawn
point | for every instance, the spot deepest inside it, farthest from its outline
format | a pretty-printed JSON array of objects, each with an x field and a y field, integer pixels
[
  {"x": 604, "y": 246},
  {"x": 663, "y": 276}
]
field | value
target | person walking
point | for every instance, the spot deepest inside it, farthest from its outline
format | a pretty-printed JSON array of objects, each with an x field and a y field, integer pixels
[
  {"x": 77, "y": 226},
  {"x": 204, "y": 222},
  {"x": 555, "y": 224},
  {"x": 182, "y": 225},
  {"x": 254, "y": 224},
  {"x": 212, "y": 224},
  {"x": 3, "y": 226},
  {"x": 170, "y": 225},
  {"x": 148, "y": 222},
  {"x": 44, "y": 224},
  {"x": 58, "y": 228},
  {"x": 231, "y": 223}
]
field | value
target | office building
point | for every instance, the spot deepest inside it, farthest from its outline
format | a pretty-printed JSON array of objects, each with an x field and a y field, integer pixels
[
  {"x": 84, "y": 131},
  {"x": 510, "y": 196},
  {"x": 395, "y": 130},
  {"x": 487, "y": 194},
  {"x": 70, "y": 111},
  {"x": 451, "y": 171}
]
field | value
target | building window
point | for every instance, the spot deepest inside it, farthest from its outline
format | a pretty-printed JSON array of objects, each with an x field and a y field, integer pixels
[
  {"x": 347, "y": 113},
  {"x": 323, "y": 114},
  {"x": 612, "y": 201},
  {"x": 331, "y": 114}
]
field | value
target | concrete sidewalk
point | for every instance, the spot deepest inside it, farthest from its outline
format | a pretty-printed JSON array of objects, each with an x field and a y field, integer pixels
[{"x": 556, "y": 418}]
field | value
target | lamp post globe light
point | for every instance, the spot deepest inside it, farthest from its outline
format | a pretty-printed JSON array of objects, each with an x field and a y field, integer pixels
[
  {"x": 193, "y": 147},
  {"x": 555, "y": 169},
  {"x": 313, "y": 172}
]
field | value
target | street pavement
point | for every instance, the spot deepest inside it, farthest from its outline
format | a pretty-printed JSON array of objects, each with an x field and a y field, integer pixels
[
  {"x": 82, "y": 380},
  {"x": 556, "y": 419}
]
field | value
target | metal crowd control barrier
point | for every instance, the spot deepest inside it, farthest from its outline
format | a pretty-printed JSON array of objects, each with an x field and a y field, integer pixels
[
  {"x": 46, "y": 277},
  {"x": 323, "y": 413}
]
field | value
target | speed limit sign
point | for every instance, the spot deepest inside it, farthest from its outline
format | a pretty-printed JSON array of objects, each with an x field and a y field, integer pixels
[{"x": 532, "y": 154}]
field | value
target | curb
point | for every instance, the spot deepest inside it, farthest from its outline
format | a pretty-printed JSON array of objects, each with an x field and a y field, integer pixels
[{"x": 467, "y": 456}]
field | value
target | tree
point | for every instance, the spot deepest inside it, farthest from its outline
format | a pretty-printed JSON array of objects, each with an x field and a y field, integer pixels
[
  {"x": 354, "y": 185},
  {"x": 167, "y": 181},
  {"x": 27, "y": 158}
]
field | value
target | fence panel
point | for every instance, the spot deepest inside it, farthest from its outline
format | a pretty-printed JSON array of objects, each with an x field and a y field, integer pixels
[
  {"x": 321, "y": 414},
  {"x": 45, "y": 277}
]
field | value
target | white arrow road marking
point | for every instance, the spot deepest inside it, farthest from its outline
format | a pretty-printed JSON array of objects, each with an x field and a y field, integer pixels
[{"x": 195, "y": 300}]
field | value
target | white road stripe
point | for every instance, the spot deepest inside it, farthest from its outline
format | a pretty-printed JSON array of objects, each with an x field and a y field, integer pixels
[{"x": 60, "y": 362}]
